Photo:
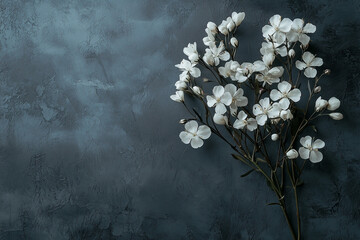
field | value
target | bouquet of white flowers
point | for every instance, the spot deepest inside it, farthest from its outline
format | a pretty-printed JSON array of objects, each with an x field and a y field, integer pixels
[{"x": 254, "y": 105}]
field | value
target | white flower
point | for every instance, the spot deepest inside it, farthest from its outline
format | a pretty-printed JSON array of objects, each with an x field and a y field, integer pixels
[
  {"x": 191, "y": 52},
  {"x": 284, "y": 94},
  {"x": 336, "y": 116},
  {"x": 320, "y": 104},
  {"x": 265, "y": 110},
  {"x": 242, "y": 121},
  {"x": 238, "y": 98},
  {"x": 298, "y": 31},
  {"x": 246, "y": 69},
  {"x": 226, "y": 26},
  {"x": 274, "y": 137},
  {"x": 292, "y": 154},
  {"x": 184, "y": 76},
  {"x": 238, "y": 17},
  {"x": 291, "y": 53},
  {"x": 218, "y": 53},
  {"x": 220, "y": 99},
  {"x": 234, "y": 42},
  {"x": 197, "y": 90},
  {"x": 212, "y": 27},
  {"x": 195, "y": 134},
  {"x": 333, "y": 104},
  {"x": 180, "y": 85},
  {"x": 229, "y": 70},
  {"x": 278, "y": 28},
  {"x": 311, "y": 148},
  {"x": 209, "y": 58},
  {"x": 188, "y": 67},
  {"x": 270, "y": 76},
  {"x": 210, "y": 38},
  {"x": 286, "y": 115},
  {"x": 220, "y": 119},
  {"x": 178, "y": 96},
  {"x": 310, "y": 61}
]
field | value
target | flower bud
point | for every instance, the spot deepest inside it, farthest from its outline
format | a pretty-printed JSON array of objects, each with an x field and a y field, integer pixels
[
  {"x": 180, "y": 85},
  {"x": 317, "y": 89},
  {"x": 234, "y": 42},
  {"x": 320, "y": 104},
  {"x": 286, "y": 114},
  {"x": 220, "y": 119},
  {"x": 327, "y": 71},
  {"x": 212, "y": 27},
  {"x": 182, "y": 121},
  {"x": 206, "y": 80},
  {"x": 230, "y": 25},
  {"x": 336, "y": 116},
  {"x": 238, "y": 17},
  {"x": 197, "y": 90},
  {"x": 223, "y": 29},
  {"x": 274, "y": 137},
  {"x": 291, "y": 53},
  {"x": 292, "y": 154},
  {"x": 333, "y": 104},
  {"x": 178, "y": 96}
]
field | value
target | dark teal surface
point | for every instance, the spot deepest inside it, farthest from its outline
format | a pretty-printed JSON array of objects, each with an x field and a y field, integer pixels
[{"x": 89, "y": 145}]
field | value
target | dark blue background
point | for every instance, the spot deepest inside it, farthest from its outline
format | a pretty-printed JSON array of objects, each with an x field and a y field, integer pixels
[{"x": 89, "y": 145}]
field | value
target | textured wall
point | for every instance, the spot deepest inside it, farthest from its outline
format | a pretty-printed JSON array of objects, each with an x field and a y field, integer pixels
[{"x": 89, "y": 145}]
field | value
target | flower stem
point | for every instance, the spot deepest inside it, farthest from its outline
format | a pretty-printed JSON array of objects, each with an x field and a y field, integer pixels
[
  {"x": 283, "y": 208},
  {"x": 297, "y": 213}
]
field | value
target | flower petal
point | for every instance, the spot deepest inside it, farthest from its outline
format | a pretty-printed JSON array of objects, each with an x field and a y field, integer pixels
[
  {"x": 218, "y": 91},
  {"x": 257, "y": 110},
  {"x": 294, "y": 95},
  {"x": 261, "y": 119},
  {"x": 231, "y": 88},
  {"x": 196, "y": 142},
  {"x": 304, "y": 153},
  {"x": 191, "y": 126},
  {"x": 333, "y": 104},
  {"x": 220, "y": 108},
  {"x": 226, "y": 98},
  {"x": 275, "y": 20},
  {"x": 211, "y": 101},
  {"x": 306, "y": 141},
  {"x": 275, "y": 94},
  {"x": 185, "y": 137},
  {"x": 242, "y": 115},
  {"x": 297, "y": 24},
  {"x": 304, "y": 39},
  {"x": 224, "y": 56},
  {"x": 204, "y": 132},
  {"x": 285, "y": 25},
  {"x": 267, "y": 31},
  {"x": 310, "y": 72},
  {"x": 284, "y": 87},
  {"x": 308, "y": 57},
  {"x": 317, "y": 62},
  {"x": 284, "y": 103},
  {"x": 309, "y": 28},
  {"x": 316, "y": 156},
  {"x": 318, "y": 143},
  {"x": 195, "y": 72},
  {"x": 300, "y": 65},
  {"x": 239, "y": 124},
  {"x": 251, "y": 124}
]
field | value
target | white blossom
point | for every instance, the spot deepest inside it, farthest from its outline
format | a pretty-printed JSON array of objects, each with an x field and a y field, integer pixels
[
  {"x": 220, "y": 99},
  {"x": 210, "y": 38},
  {"x": 292, "y": 154},
  {"x": 238, "y": 17},
  {"x": 320, "y": 104},
  {"x": 333, "y": 104},
  {"x": 208, "y": 57},
  {"x": 197, "y": 90},
  {"x": 286, "y": 115},
  {"x": 284, "y": 94},
  {"x": 246, "y": 69},
  {"x": 229, "y": 70},
  {"x": 234, "y": 42},
  {"x": 180, "y": 85},
  {"x": 188, "y": 67},
  {"x": 270, "y": 75},
  {"x": 265, "y": 110},
  {"x": 278, "y": 29},
  {"x": 212, "y": 27},
  {"x": 218, "y": 53},
  {"x": 238, "y": 98},
  {"x": 243, "y": 121},
  {"x": 309, "y": 61},
  {"x": 220, "y": 119},
  {"x": 336, "y": 116},
  {"x": 298, "y": 32},
  {"x": 184, "y": 76},
  {"x": 291, "y": 53},
  {"x": 178, "y": 96},
  {"x": 274, "y": 136},
  {"x": 191, "y": 52},
  {"x": 195, "y": 134},
  {"x": 310, "y": 149}
]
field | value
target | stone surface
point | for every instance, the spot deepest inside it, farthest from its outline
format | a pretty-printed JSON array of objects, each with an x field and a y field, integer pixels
[{"x": 89, "y": 145}]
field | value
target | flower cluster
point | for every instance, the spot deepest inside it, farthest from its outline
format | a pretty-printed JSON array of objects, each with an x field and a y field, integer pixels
[{"x": 251, "y": 101}]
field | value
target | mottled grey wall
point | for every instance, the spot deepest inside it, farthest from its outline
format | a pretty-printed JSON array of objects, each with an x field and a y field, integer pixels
[{"x": 89, "y": 145}]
